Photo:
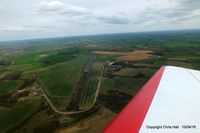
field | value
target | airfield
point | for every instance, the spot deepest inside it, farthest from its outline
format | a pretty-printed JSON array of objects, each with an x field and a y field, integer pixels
[{"x": 73, "y": 84}]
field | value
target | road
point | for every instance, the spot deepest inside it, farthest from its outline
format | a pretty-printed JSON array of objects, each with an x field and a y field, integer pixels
[{"x": 74, "y": 112}]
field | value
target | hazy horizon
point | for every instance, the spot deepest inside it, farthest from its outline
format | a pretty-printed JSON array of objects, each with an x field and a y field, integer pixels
[{"x": 87, "y": 35}]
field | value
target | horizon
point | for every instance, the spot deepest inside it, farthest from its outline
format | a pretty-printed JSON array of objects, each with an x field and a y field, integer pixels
[{"x": 87, "y": 35}]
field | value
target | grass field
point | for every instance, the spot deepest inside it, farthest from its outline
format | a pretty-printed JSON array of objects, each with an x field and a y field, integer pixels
[
  {"x": 90, "y": 86},
  {"x": 123, "y": 84},
  {"x": 11, "y": 117},
  {"x": 132, "y": 72},
  {"x": 88, "y": 94},
  {"x": 8, "y": 85},
  {"x": 128, "y": 79},
  {"x": 180, "y": 64},
  {"x": 60, "y": 102},
  {"x": 40, "y": 122},
  {"x": 28, "y": 61},
  {"x": 101, "y": 118},
  {"x": 62, "y": 79}
]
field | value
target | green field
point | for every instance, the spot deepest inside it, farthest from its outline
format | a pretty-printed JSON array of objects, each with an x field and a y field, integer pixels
[
  {"x": 12, "y": 117},
  {"x": 132, "y": 72},
  {"x": 28, "y": 61},
  {"x": 62, "y": 79},
  {"x": 7, "y": 85},
  {"x": 60, "y": 102},
  {"x": 90, "y": 86},
  {"x": 87, "y": 96},
  {"x": 39, "y": 122},
  {"x": 181, "y": 64}
]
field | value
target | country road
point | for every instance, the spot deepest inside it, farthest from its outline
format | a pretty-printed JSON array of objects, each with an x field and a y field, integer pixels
[{"x": 74, "y": 112}]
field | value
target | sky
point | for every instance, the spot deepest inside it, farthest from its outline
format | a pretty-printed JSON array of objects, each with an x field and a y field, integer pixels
[{"x": 28, "y": 19}]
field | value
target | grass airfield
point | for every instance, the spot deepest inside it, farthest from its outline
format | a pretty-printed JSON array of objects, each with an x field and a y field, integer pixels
[{"x": 56, "y": 66}]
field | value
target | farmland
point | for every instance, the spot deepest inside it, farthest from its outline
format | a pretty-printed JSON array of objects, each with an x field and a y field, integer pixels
[
  {"x": 68, "y": 71},
  {"x": 135, "y": 55}
]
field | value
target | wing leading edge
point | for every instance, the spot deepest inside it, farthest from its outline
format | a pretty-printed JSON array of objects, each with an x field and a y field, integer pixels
[{"x": 168, "y": 102}]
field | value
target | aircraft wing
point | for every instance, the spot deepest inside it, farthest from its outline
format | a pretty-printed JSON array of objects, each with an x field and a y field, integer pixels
[{"x": 169, "y": 102}]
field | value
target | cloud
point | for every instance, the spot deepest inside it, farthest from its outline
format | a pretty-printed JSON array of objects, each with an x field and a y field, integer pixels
[
  {"x": 76, "y": 14},
  {"x": 69, "y": 17},
  {"x": 184, "y": 8},
  {"x": 56, "y": 7},
  {"x": 114, "y": 19},
  {"x": 181, "y": 11},
  {"x": 16, "y": 28},
  {"x": 2, "y": 8},
  {"x": 52, "y": 6}
]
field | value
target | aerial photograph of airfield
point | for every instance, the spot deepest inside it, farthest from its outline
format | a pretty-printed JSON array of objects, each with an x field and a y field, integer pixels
[{"x": 72, "y": 69}]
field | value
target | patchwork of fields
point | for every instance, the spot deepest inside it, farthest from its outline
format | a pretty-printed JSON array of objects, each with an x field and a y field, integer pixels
[{"x": 29, "y": 70}]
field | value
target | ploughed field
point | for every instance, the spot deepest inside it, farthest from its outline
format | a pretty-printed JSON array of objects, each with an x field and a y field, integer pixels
[
  {"x": 135, "y": 55},
  {"x": 56, "y": 68}
]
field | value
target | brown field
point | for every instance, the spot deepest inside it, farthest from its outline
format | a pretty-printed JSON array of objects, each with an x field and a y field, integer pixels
[
  {"x": 91, "y": 46},
  {"x": 135, "y": 55},
  {"x": 9, "y": 52},
  {"x": 143, "y": 65},
  {"x": 134, "y": 72},
  {"x": 43, "y": 55},
  {"x": 85, "y": 40},
  {"x": 61, "y": 48},
  {"x": 177, "y": 59},
  {"x": 94, "y": 124},
  {"x": 126, "y": 72},
  {"x": 107, "y": 52}
]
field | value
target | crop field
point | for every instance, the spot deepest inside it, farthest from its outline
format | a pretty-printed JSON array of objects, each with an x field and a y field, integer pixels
[
  {"x": 177, "y": 59},
  {"x": 33, "y": 69},
  {"x": 135, "y": 55},
  {"x": 180, "y": 64},
  {"x": 132, "y": 72},
  {"x": 92, "y": 46},
  {"x": 123, "y": 84}
]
